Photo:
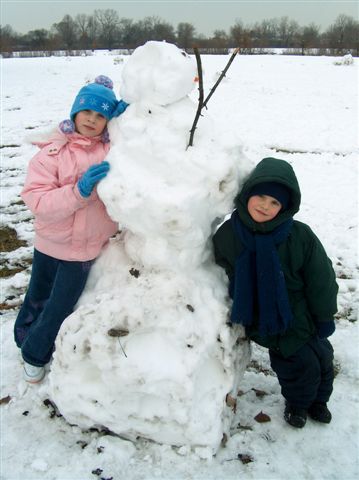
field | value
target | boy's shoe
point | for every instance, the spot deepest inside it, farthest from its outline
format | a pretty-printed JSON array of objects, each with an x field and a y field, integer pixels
[
  {"x": 33, "y": 374},
  {"x": 319, "y": 411},
  {"x": 295, "y": 416}
]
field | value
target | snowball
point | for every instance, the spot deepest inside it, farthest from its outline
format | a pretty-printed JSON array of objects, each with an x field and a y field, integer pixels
[
  {"x": 346, "y": 60},
  {"x": 158, "y": 73}
]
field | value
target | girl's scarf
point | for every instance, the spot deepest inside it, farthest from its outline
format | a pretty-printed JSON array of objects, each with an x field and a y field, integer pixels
[{"x": 259, "y": 279}]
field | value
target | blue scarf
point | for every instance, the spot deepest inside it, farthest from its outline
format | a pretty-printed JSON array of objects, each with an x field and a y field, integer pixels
[{"x": 259, "y": 279}]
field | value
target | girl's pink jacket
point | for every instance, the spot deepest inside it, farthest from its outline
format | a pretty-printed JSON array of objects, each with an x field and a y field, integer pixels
[{"x": 67, "y": 226}]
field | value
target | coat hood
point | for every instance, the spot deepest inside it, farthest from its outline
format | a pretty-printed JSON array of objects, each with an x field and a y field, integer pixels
[
  {"x": 57, "y": 138},
  {"x": 269, "y": 170}
]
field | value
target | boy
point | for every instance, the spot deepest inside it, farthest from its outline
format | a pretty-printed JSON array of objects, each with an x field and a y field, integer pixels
[{"x": 283, "y": 287}]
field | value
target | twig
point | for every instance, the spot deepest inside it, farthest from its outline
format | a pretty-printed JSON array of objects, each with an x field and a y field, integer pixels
[
  {"x": 200, "y": 98},
  {"x": 123, "y": 351},
  {"x": 220, "y": 77},
  {"x": 203, "y": 103}
]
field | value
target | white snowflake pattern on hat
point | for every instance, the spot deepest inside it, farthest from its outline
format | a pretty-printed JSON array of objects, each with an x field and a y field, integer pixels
[{"x": 98, "y": 96}]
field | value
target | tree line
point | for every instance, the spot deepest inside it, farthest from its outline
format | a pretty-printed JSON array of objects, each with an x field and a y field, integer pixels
[{"x": 105, "y": 29}]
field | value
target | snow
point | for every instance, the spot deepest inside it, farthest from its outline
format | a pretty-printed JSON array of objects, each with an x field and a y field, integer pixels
[
  {"x": 166, "y": 374},
  {"x": 158, "y": 73},
  {"x": 301, "y": 109}
]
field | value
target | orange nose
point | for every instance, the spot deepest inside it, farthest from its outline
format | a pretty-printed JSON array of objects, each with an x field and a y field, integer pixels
[{"x": 196, "y": 79}]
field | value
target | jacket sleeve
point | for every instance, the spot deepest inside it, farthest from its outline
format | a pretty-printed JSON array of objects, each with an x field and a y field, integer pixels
[
  {"x": 224, "y": 249},
  {"x": 43, "y": 194},
  {"x": 320, "y": 282}
]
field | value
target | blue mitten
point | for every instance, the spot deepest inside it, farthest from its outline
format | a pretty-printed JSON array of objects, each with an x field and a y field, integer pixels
[
  {"x": 121, "y": 107},
  {"x": 92, "y": 176},
  {"x": 325, "y": 329}
]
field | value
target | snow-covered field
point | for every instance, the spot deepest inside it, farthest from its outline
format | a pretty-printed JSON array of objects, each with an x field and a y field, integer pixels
[{"x": 301, "y": 109}]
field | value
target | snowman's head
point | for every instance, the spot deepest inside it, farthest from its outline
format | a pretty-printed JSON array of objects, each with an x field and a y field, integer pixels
[{"x": 158, "y": 73}]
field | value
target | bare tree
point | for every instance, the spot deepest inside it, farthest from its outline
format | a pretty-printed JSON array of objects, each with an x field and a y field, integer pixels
[
  {"x": 309, "y": 37},
  {"x": 343, "y": 34},
  {"x": 288, "y": 31},
  {"x": 237, "y": 32},
  {"x": 38, "y": 39},
  {"x": 127, "y": 33},
  {"x": 163, "y": 31},
  {"x": 92, "y": 31},
  {"x": 67, "y": 30},
  {"x": 185, "y": 35},
  {"x": 240, "y": 35},
  {"x": 265, "y": 34},
  {"x": 109, "y": 26},
  {"x": 220, "y": 39},
  {"x": 154, "y": 28},
  {"x": 8, "y": 38},
  {"x": 82, "y": 21}
]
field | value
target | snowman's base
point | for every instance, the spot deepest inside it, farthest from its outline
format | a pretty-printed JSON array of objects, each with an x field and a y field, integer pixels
[{"x": 151, "y": 356}]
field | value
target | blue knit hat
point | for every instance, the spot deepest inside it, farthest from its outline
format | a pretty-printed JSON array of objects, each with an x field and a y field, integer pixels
[
  {"x": 98, "y": 96},
  {"x": 274, "y": 189}
]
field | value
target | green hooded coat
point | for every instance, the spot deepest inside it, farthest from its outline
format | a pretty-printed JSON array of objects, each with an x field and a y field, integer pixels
[{"x": 308, "y": 272}]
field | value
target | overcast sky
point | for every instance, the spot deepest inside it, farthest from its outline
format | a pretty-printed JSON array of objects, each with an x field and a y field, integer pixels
[{"x": 206, "y": 16}]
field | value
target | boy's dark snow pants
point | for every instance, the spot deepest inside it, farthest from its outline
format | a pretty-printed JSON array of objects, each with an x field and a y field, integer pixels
[
  {"x": 54, "y": 289},
  {"x": 306, "y": 376}
]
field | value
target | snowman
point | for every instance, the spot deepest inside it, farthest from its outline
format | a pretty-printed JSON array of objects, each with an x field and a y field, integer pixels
[{"x": 149, "y": 352}]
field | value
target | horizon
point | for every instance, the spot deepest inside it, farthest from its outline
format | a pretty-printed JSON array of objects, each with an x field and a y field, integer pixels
[{"x": 24, "y": 16}]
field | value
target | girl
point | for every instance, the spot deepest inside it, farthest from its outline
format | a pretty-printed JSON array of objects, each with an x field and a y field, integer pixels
[{"x": 71, "y": 222}]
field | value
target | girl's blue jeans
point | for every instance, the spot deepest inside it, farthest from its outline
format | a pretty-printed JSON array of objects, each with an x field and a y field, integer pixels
[{"x": 54, "y": 289}]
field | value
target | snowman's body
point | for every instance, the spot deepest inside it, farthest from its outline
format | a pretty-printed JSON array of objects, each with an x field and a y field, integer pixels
[{"x": 149, "y": 352}]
